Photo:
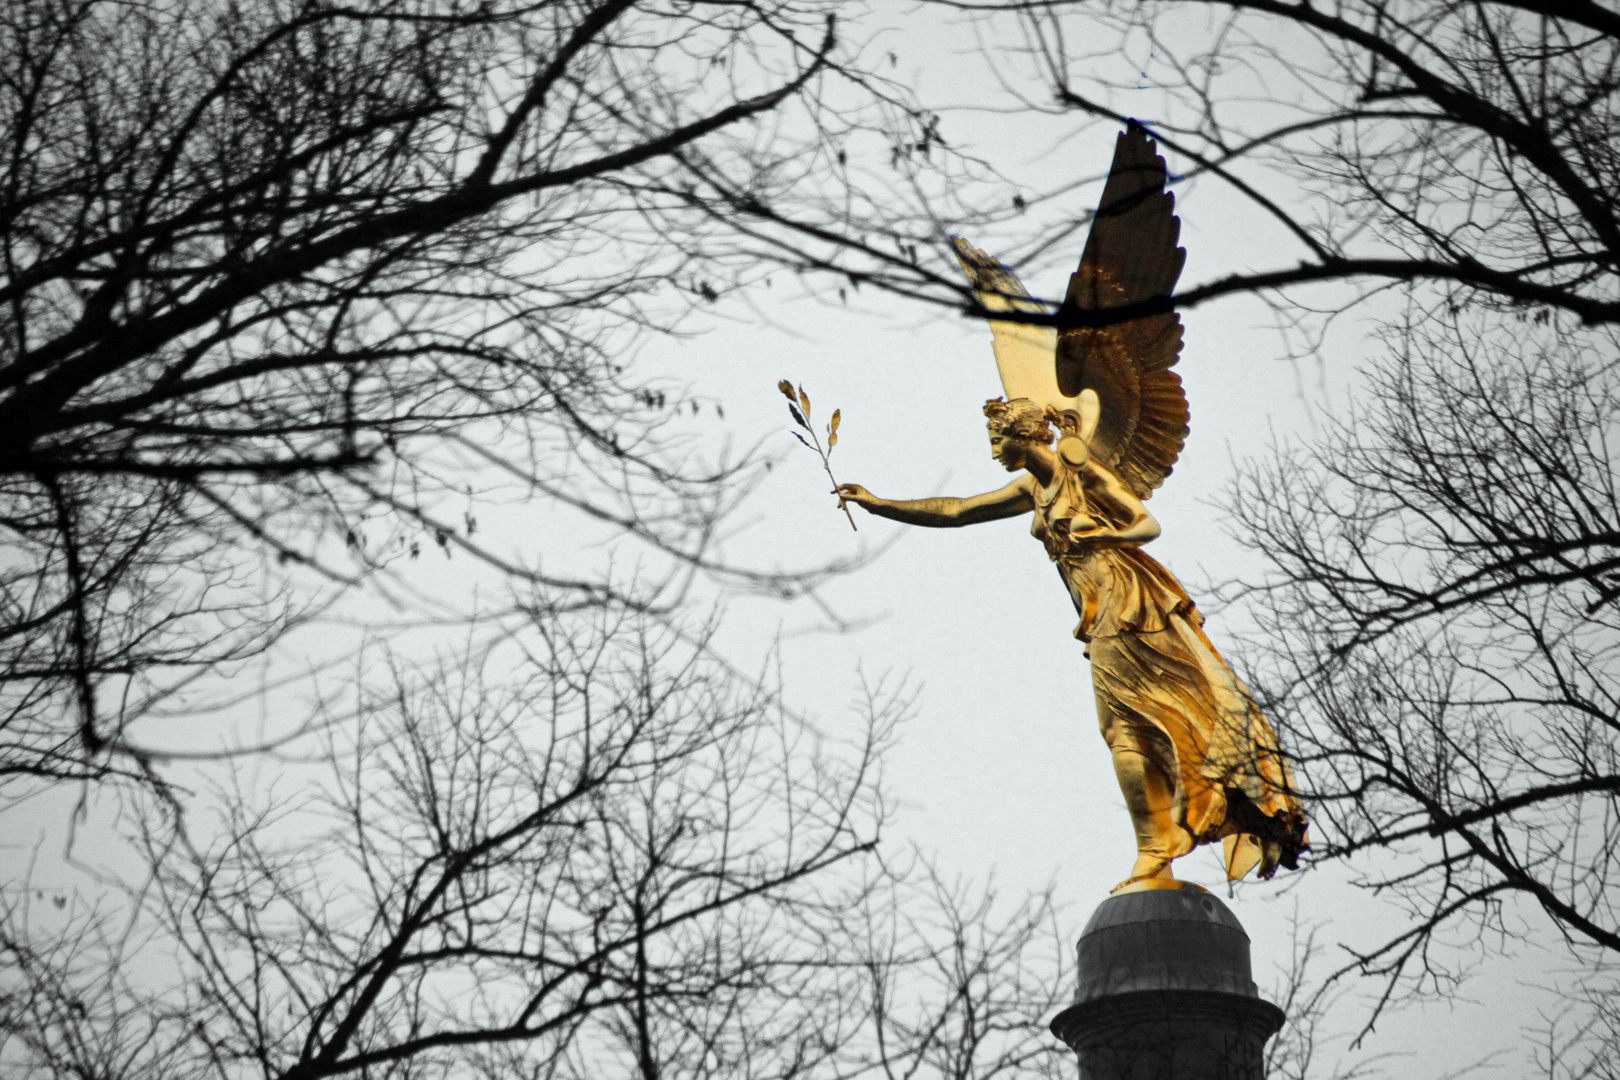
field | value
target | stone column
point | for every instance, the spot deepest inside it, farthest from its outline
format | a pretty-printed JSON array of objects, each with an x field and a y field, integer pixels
[{"x": 1166, "y": 991}]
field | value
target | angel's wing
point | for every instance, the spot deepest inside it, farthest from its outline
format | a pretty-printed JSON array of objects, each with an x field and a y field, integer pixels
[
  {"x": 1024, "y": 351},
  {"x": 1130, "y": 257}
]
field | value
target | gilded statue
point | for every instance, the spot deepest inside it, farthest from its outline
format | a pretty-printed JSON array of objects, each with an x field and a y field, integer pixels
[{"x": 1196, "y": 758}]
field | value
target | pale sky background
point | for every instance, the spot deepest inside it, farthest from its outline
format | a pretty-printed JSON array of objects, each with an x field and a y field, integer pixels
[{"x": 1002, "y": 770}]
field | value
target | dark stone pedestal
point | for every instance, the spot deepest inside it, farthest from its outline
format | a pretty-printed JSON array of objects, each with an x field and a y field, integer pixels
[{"x": 1166, "y": 991}]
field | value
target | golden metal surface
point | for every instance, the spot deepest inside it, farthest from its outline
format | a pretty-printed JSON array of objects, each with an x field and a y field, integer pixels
[
  {"x": 1151, "y": 884},
  {"x": 1196, "y": 759}
]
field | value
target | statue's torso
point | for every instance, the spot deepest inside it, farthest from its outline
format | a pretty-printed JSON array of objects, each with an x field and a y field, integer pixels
[{"x": 1115, "y": 589}]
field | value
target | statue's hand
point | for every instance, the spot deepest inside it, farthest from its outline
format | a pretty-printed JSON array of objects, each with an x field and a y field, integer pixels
[{"x": 856, "y": 494}]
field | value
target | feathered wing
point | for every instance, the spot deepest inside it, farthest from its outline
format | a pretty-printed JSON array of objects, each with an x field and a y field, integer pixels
[
  {"x": 1024, "y": 351},
  {"x": 1130, "y": 257}
]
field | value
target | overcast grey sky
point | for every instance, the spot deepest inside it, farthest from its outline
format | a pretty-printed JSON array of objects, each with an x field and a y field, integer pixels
[{"x": 1001, "y": 770}]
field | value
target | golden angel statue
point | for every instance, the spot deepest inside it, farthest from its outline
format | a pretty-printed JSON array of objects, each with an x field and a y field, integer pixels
[{"x": 1196, "y": 758}]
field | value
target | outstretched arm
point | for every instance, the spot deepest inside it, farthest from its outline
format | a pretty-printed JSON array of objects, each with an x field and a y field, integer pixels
[{"x": 946, "y": 513}]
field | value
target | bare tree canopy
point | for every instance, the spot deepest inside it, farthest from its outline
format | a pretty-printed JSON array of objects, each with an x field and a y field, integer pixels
[
  {"x": 585, "y": 850},
  {"x": 283, "y": 283},
  {"x": 284, "y": 279},
  {"x": 280, "y": 277},
  {"x": 1468, "y": 145},
  {"x": 1444, "y": 569}
]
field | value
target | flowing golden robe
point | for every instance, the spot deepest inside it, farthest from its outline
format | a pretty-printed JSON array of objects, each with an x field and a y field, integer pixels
[{"x": 1164, "y": 692}]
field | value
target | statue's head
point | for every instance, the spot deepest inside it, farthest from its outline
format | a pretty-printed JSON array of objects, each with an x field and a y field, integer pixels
[
  {"x": 1016, "y": 426},
  {"x": 1019, "y": 424}
]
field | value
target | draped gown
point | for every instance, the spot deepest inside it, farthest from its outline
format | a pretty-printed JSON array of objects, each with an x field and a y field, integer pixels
[{"x": 1164, "y": 691}]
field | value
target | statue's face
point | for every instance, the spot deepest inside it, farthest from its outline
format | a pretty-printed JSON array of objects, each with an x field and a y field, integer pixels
[{"x": 1011, "y": 452}]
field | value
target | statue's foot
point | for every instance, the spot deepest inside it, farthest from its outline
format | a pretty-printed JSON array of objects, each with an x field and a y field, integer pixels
[
  {"x": 1147, "y": 868},
  {"x": 1151, "y": 883},
  {"x": 1128, "y": 882}
]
